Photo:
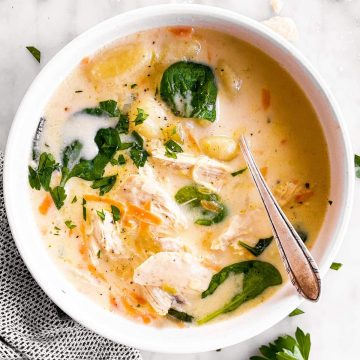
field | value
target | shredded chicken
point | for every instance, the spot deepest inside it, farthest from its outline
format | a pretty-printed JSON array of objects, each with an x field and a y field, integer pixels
[
  {"x": 243, "y": 227},
  {"x": 160, "y": 300},
  {"x": 181, "y": 271},
  {"x": 106, "y": 235},
  {"x": 142, "y": 188},
  {"x": 204, "y": 170}
]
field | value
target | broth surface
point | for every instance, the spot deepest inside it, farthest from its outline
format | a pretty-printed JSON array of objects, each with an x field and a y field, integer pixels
[{"x": 104, "y": 257}]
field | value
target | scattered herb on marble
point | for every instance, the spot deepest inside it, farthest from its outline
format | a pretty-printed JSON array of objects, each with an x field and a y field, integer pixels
[
  {"x": 35, "y": 53},
  {"x": 335, "y": 266},
  {"x": 287, "y": 348},
  {"x": 296, "y": 312}
]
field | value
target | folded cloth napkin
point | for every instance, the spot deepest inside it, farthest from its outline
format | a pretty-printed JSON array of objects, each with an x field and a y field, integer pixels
[{"x": 31, "y": 325}]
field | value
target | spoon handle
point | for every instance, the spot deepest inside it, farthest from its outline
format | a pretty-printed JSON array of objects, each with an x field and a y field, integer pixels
[{"x": 299, "y": 264}]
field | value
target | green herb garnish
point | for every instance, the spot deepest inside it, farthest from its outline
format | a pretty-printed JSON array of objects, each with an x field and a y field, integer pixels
[
  {"x": 115, "y": 213},
  {"x": 106, "y": 108},
  {"x": 190, "y": 90},
  {"x": 58, "y": 195},
  {"x": 235, "y": 173},
  {"x": 137, "y": 153},
  {"x": 260, "y": 246},
  {"x": 35, "y": 53},
  {"x": 296, "y": 312},
  {"x": 123, "y": 124},
  {"x": 179, "y": 315},
  {"x": 101, "y": 214},
  {"x": 74, "y": 200},
  {"x": 357, "y": 165},
  {"x": 98, "y": 254},
  {"x": 42, "y": 175},
  {"x": 258, "y": 276},
  {"x": 172, "y": 148},
  {"x": 121, "y": 160},
  {"x": 195, "y": 196},
  {"x": 84, "y": 209},
  {"x": 335, "y": 266},
  {"x": 287, "y": 348},
  {"x": 132, "y": 86},
  {"x": 141, "y": 116},
  {"x": 70, "y": 224},
  {"x": 105, "y": 184}
]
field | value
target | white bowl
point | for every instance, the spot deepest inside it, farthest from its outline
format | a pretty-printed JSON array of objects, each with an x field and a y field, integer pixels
[{"x": 29, "y": 240}]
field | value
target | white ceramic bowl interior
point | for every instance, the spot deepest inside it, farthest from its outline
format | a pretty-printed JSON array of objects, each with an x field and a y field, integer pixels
[{"x": 28, "y": 238}]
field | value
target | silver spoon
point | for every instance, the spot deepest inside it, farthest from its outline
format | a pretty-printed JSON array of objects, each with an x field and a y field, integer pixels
[{"x": 299, "y": 264}]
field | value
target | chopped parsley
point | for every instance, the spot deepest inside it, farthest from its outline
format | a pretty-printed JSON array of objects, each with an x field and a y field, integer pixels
[
  {"x": 141, "y": 116},
  {"x": 296, "y": 312},
  {"x": 101, "y": 214},
  {"x": 235, "y": 173},
  {"x": 335, "y": 266},
  {"x": 58, "y": 195},
  {"x": 115, "y": 213},
  {"x": 84, "y": 209},
  {"x": 98, "y": 254},
  {"x": 357, "y": 165},
  {"x": 132, "y": 86},
  {"x": 70, "y": 224},
  {"x": 171, "y": 148},
  {"x": 74, "y": 200},
  {"x": 121, "y": 160},
  {"x": 137, "y": 153},
  {"x": 35, "y": 53},
  {"x": 104, "y": 184}
]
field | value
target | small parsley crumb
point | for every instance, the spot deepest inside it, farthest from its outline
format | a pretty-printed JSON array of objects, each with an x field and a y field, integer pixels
[
  {"x": 78, "y": 91},
  {"x": 141, "y": 116},
  {"x": 133, "y": 86},
  {"x": 98, "y": 254},
  {"x": 296, "y": 312},
  {"x": 84, "y": 209},
  {"x": 239, "y": 172},
  {"x": 101, "y": 214},
  {"x": 74, "y": 200},
  {"x": 335, "y": 266},
  {"x": 34, "y": 52},
  {"x": 70, "y": 224}
]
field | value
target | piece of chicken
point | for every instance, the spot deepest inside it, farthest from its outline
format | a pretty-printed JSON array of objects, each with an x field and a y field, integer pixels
[
  {"x": 248, "y": 227},
  {"x": 203, "y": 170},
  {"x": 181, "y": 271},
  {"x": 106, "y": 235},
  {"x": 142, "y": 188}
]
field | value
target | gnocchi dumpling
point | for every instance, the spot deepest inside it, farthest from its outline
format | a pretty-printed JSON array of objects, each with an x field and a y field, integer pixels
[
  {"x": 221, "y": 148},
  {"x": 228, "y": 78}
]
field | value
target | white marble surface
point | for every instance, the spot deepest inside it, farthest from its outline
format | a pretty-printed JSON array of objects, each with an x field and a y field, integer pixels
[{"x": 329, "y": 37}]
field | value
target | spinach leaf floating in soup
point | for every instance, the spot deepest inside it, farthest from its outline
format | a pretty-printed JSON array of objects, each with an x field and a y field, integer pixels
[
  {"x": 209, "y": 204},
  {"x": 258, "y": 276},
  {"x": 190, "y": 90},
  {"x": 260, "y": 246}
]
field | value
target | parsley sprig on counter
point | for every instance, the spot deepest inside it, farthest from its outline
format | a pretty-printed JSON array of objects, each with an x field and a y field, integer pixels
[{"x": 287, "y": 348}]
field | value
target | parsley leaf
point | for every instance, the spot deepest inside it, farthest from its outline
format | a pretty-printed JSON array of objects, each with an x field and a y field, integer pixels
[
  {"x": 357, "y": 165},
  {"x": 101, "y": 214},
  {"x": 74, "y": 200},
  {"x": 84, "y": 209},
  {"x": 35, "y": 53},
  {"x": 121, "y": 160},
  {"x": 296, "y": 312},
  {"x": 58, "y": 195},
  {"x": 123, "y": 124},
  {"x": 137, "y": 153},
  {"x": 235, "y": 173},
  {"x": 45, "y": 169},
  {"x": 287, "y": 348},
  {"x": 105, "y": 184},
  {"x": 335, "y": 266},
  {"x": 34, "y": 180},
  {"x": 115, "y": 213},
  {"x": 70, "y": 224},
  {"x": 71, "y": 154},
  {"x": 106, "y": 108},
  {"x": 132, "y": 86},
  {"x": 141, "y": 116},
  {"x": 172, "y": 148}
]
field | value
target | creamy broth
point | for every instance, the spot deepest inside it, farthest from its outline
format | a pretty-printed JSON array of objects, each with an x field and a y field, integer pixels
[{"x": 153, "y": 257}]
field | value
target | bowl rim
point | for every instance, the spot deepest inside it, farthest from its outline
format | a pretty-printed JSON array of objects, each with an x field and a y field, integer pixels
[{"x": 146, "y": 13}]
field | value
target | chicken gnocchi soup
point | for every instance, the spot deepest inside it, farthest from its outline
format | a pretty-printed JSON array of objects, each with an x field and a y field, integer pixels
[{"x": 139, "y": 187}]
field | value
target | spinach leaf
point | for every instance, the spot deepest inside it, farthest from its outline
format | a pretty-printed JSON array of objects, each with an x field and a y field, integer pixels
[
  {"x": 105, "y": 184},
  {"x": 182, "y": 316},
  {"x": 35, "y": 53},
  {"x": 357, "y": 165},
  {"x": 58, "y": 195},
  {"x": 258, "y": 276},
  {"x": 209, "y": 203},
  {"x": 71, "y": 154},
  {"x": 172, "y": 148},
  {"x": 190, "y": 90},
  {"x": 259, "y": 248},
  {"x": 287, "y": 348}
]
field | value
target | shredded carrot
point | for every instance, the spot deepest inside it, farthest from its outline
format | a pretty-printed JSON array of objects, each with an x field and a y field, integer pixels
[
  {"x": 210, "y": 265},
  {"x": 45, "y": 204},
  {"x": 139, "y": 299},
  {"x": 113, "y": 301},
  {"x": 118, "y": 204},
  {"x": 130, "y": 310},
  {"x": 265, "y": 98},
  {"x": 95, "y": 272},
  {"x": 264, "y": 171},
  {"x": 183, "y": 31},
  {"x": 85, "y": 61},
  {"x": 146, "y": 319},
  {"x": 144, "y": 227},
  {"x": 143, "y": 215}
]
